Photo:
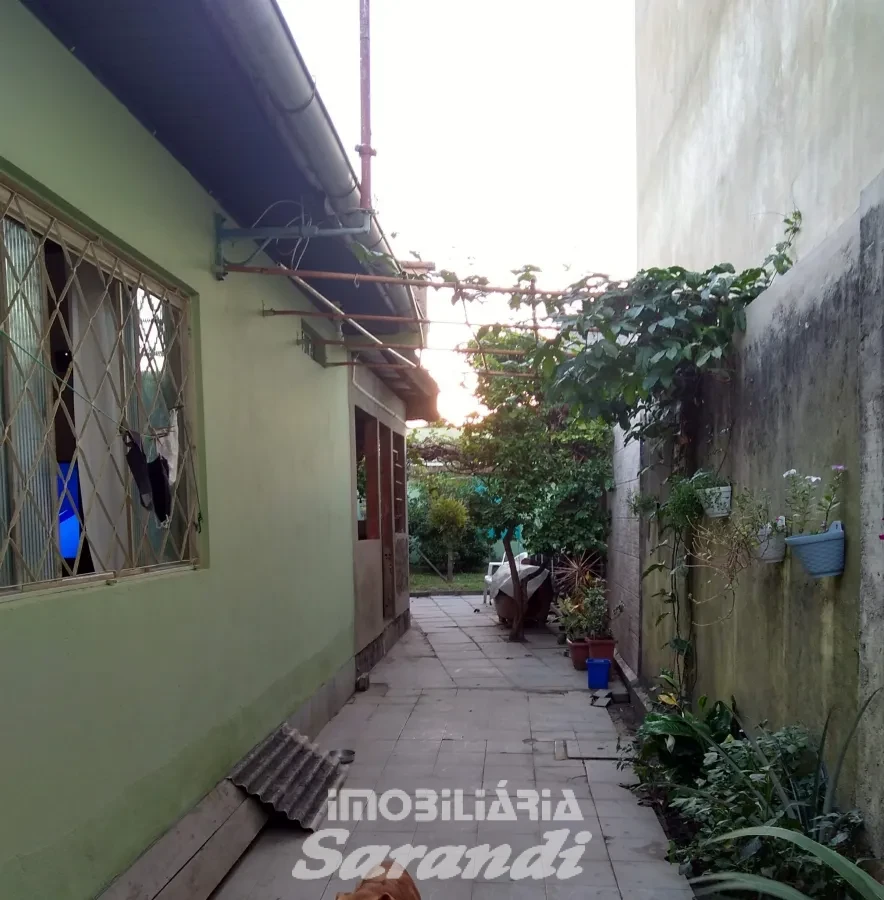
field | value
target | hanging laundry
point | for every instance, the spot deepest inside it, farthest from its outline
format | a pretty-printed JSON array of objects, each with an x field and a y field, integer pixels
[
  {"x": 167, "y": 445},
  {"x": 137, "y": 463},
  {"x": 161, "y": 490}
]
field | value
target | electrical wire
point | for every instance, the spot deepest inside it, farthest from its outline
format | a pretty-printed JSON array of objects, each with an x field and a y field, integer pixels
[
  {"x": 274, "y": 205},
  {"x": 303, "y": 217}
]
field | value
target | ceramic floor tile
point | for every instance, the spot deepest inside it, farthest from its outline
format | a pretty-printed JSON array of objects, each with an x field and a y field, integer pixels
[
  {"x": 508, "y": 891},
  {"x": 455, "y": 705},
  {"x": 638, "y": 849},
  {"x": 625, "y": 809},
  {"x": 649, "y": 876},
  {"x": 634, "y": 828},
  {"x": 594, "y": 873}
]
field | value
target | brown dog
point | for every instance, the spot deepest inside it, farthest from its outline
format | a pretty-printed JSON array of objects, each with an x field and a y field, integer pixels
[{"x": 388, "y": 881}]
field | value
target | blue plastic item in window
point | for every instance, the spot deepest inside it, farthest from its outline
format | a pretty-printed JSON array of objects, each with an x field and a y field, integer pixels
[{"x": 69, "y": 513}]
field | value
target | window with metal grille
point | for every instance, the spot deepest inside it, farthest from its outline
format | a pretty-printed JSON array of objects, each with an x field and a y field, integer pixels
[{"x": 96, "y": 463}]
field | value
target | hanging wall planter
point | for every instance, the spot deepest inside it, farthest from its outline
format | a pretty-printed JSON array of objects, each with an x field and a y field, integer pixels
[
  {"x": 771, "y": 546},
  {"x": 822, "y": 555},
  {"x": 716, "y": 501}
]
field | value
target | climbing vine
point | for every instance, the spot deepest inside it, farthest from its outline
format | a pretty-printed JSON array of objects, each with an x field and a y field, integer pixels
[{"x": 634, "y": 353}]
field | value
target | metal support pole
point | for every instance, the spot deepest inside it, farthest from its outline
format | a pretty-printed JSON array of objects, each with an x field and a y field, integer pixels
[
  {"x": 394, "y": 279},
  {"x": 364, "y": 149}
]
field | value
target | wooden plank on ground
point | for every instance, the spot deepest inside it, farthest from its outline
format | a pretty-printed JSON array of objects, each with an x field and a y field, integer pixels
[
  {"x": 162, "y": 861},
  {"x": 216, "y": 858}
]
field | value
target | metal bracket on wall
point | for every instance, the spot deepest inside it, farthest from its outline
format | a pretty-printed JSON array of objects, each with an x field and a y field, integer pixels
[{"x": 264, "y": 234}]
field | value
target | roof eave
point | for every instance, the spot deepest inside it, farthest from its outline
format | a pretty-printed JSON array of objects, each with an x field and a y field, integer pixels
[{"x": 258, "y": 35}]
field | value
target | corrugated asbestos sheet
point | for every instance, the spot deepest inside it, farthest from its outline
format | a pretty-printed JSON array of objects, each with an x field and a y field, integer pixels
[{"x": 291, "y": 775}]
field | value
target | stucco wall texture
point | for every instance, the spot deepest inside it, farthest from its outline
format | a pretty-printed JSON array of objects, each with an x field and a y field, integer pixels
[
  {"x": 785, "y": 646},
  {"x": 746, "y": 110},
  {"x": 624, "y": 564},
  {"x": 122, "y": 705}
]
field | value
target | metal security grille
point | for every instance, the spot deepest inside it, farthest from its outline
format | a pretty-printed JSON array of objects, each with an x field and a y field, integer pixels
[{"x": 96, "y": 463}]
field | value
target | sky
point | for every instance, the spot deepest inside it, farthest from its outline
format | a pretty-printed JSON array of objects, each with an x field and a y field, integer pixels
[{"x": 505, "y": 135}]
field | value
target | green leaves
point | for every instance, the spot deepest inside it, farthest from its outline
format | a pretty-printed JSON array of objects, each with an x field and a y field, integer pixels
[
  {"x": 860, "y": 881},
  {"x": 658, "y": 332},
  {"x": 743, "y": 881},
  {"x": 737, "y": 791}
]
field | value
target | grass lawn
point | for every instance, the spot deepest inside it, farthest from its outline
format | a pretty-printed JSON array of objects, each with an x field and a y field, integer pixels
[{"x": 468, "y": 582}]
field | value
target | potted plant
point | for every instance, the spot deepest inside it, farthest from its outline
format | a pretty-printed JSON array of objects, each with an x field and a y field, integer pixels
[
  {"x": 714, "y": 493},
  {"x": 816, "y": 539},
  {"x": 771, "y": 539},
  {"x": 763, "y": 533},
  {"x": 599, "y": 617},
  {"x": 574, "y": 621}
]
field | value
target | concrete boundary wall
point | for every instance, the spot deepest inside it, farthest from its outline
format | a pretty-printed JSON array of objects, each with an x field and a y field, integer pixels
[{"x": 806, "y": 391}]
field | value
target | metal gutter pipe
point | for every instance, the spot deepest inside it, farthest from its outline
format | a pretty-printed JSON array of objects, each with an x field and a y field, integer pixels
[{"x": 258, "y": 36}]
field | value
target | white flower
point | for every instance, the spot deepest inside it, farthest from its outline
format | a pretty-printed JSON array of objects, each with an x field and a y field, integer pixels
[
  {"x": 812, "y": 479},
  {"x": 790, "y": 473}
]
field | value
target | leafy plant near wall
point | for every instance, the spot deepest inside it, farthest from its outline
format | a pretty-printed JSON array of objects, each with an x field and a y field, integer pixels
[
  {"x": 644, "y": 343},
  {"x": 712, "y": 772},
  {"x": 586, "y": 614},
  {"x": 810, "y": 502},
  {"x": 858, "y": 882},
  {"x": 635, "y": 353},
  {"x": 629, "y": 352},
  {"x": 672, "y": 741}
]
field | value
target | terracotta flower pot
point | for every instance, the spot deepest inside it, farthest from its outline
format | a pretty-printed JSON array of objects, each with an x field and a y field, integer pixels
[
  {"x": 579, "y": 652},
  {"x": 602, "y": 648}
]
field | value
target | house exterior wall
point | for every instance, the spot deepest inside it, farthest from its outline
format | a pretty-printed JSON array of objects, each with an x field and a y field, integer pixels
[
  {"x": 760, "y": 111},
  {"x": 123, "y": 704}
]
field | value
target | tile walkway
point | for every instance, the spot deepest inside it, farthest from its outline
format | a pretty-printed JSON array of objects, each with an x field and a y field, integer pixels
[{"x": 454, "y": 705}]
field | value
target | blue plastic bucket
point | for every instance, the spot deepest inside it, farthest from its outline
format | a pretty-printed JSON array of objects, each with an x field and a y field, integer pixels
[
  {"x": 597, "y": 673},
  {"x": 822, "y": 555}
]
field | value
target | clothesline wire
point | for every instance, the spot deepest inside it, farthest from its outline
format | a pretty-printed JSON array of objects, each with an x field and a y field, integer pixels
[{"x": 64, "y": 381}]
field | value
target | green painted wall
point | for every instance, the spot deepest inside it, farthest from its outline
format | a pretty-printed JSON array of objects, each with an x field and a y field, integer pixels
[{"x": 121, "y": 705}]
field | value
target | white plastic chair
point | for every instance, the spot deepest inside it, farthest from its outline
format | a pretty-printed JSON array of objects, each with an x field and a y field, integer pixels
[{"x": 489, "y": 576}]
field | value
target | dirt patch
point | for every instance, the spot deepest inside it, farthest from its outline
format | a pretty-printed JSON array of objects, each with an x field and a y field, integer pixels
[{"x": 625, "y": 719}]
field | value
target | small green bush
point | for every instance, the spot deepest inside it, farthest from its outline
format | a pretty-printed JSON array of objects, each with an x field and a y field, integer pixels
[
  {"x": 472, "y": 546},
  {"x": 717, "y": 777}
]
